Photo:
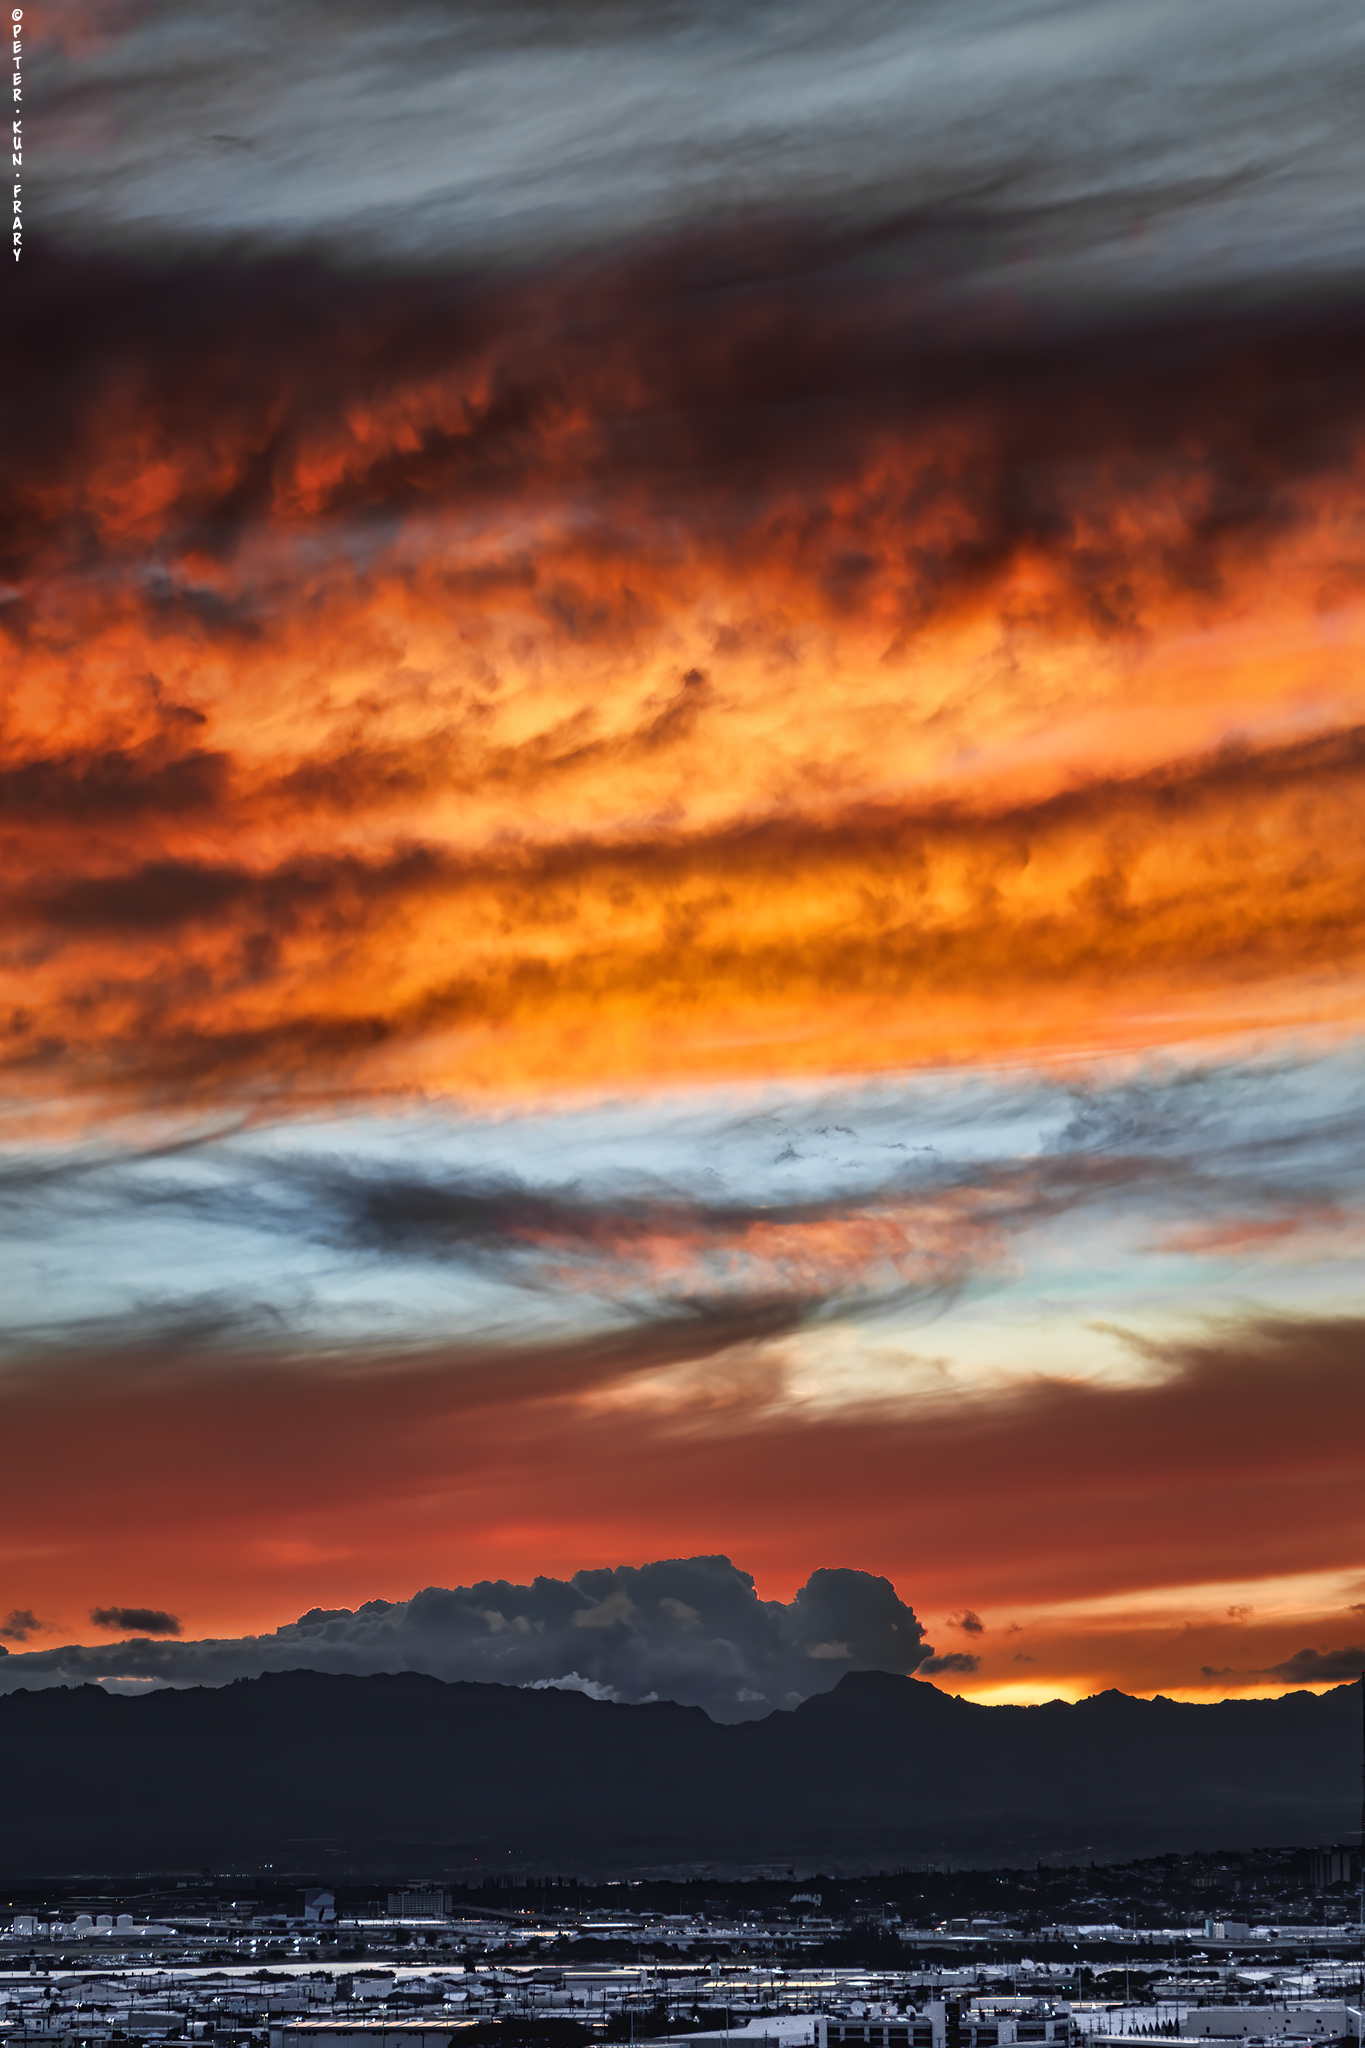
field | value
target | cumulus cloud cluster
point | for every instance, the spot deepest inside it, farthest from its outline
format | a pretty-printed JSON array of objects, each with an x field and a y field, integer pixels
[{"x": 687, "y": 1629}]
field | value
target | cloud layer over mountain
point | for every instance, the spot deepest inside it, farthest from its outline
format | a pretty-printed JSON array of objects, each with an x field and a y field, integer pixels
[{"x": 688, "y": 1629}]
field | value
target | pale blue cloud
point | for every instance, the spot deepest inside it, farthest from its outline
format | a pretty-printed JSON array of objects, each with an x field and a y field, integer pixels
[
  {"x": 1181, "y": 1187},
  {"x": 1082, "y": 140}
]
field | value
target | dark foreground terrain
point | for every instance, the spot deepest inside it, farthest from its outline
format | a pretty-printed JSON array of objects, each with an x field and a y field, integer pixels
[{"x": 396, "y": 1771}]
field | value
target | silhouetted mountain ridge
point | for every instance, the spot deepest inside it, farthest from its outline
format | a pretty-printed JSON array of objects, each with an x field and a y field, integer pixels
[{"x": 372, "y": 1772}]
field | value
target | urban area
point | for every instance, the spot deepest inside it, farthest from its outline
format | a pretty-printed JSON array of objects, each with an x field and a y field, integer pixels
[{"x": 1265, "y": 1948}]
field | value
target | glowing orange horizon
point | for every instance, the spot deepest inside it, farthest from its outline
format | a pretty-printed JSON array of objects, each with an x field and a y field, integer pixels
[{"x": 243, "y": 1489}]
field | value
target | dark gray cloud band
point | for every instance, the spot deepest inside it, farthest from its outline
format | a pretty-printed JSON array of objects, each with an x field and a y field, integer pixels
[
  {"x": 145, "y": 1621},
  {"x": 1321, "y": 1667}
]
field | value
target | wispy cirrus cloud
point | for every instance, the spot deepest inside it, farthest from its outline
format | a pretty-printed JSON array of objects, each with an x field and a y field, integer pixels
[
  {"x": 875, "y": 1201},
  {"x": 1220, "y": 142}
]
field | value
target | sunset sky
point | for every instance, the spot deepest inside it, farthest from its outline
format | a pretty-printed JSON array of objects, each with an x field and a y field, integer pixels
[{"x": 682, "y": 791}]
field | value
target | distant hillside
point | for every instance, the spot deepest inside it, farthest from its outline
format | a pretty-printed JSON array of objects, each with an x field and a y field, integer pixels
[{"x": 303, "y": 1768}]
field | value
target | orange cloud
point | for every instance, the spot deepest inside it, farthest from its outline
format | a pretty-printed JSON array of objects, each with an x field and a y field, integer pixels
[
  {"x": 1217, "y": 898},
  {"x": 624, "y": 673}
]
